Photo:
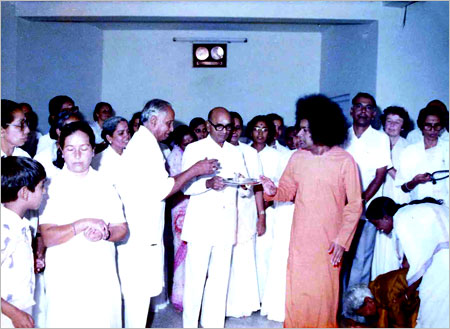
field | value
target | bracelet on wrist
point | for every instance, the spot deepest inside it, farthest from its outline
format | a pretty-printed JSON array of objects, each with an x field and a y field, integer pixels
[
  {"x": 262, "y": 212},
  {"x": 109, "y": 235},
  {"x": 407, "y": 187}
]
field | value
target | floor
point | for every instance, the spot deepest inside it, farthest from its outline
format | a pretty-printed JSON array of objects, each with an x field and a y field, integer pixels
[{"x": 169, "y": 318}]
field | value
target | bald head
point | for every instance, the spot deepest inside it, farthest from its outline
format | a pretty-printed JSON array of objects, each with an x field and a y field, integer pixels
[
  {"x": 219, "y": 124},
  {"x": 216, "y": 112}
]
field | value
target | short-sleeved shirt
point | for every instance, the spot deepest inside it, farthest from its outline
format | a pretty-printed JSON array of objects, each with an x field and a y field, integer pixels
[
  {"x": 17, "y": 280},
  {"x": 371, "y": 151}
]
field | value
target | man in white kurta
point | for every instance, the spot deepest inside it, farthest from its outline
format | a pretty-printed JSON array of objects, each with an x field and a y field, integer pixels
[
  {"x": 210, "y": 225},
  {"x": 142, "y": 189},
  {"x": 143, "y": 184},
  {"x": 243, "y": 295},
  {"x": 371, "y": 150}
]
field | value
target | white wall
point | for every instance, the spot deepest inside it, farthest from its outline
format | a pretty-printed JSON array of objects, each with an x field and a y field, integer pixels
[
  {"x": 413, "y": 62},
  {"x": 9, "y": 50},
  {"x": 349, "y": 60},
  {"x": 266, "y": 74},
  {"x": 58, "y": 59}
]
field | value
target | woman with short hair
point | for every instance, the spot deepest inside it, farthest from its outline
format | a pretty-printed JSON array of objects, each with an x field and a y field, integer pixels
[
  {"x": 396, "y": 124},
  {"x": 81, "y": 221}
]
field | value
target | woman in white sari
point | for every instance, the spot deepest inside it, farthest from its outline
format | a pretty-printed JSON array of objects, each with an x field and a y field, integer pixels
[
  {"x": 422, "y": 230},
  {"x": 116, "y": 134}
]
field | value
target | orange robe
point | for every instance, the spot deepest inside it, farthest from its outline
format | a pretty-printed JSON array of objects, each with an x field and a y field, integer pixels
[{"x": 328, "y": 206}]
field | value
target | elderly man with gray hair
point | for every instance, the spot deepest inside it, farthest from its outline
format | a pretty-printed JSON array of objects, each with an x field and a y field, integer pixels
[
  {"x": 387, "y": 302},
  {"x": 144, "y": 185}
]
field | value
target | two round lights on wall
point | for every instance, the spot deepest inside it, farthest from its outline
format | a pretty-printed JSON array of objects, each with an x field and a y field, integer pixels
[
  {"x": 209, "y": 55},
  {"x": 202, "y": 53}
]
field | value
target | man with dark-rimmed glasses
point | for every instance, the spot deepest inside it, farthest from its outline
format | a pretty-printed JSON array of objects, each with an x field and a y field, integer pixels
[{"x": 210, "y": 224}]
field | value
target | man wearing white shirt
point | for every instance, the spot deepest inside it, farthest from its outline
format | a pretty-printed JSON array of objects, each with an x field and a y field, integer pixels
[
  {"x": 210, "y": 224},
  {"x": 243, "y": 295},
  {"x": 143, "y": 185},
  {"x": 278, "y": 122},
  {"x": 371, "y": 150}
]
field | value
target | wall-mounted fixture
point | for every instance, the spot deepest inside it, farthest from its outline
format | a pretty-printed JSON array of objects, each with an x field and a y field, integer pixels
[
  {"x": 209, "y": 54},
  {"x": 209, "y": 40}
]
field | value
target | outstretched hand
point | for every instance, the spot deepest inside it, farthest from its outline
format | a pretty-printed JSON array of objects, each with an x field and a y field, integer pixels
[{"x": 269, "y": 187}]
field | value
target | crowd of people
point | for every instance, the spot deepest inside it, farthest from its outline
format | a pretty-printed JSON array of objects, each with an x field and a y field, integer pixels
[{"x": 322, "y": 224}]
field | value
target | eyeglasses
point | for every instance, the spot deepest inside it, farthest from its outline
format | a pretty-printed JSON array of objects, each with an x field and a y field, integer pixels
[
  {"x": 428, "y": 126},
  {"x": 220, "y": 127},
  {"x": 258, "y": 129},
  {"x": 21, "y": 125},
  {"x": 360, "y": 106}
]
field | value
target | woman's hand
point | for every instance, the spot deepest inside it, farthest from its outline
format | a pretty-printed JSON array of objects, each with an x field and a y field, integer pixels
[
  {"x": 269, "y": 187},
  {"x": 337, "y": 252}
]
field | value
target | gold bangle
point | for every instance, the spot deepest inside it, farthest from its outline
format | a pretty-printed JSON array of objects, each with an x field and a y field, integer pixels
[{"x": 262, "y": 212}]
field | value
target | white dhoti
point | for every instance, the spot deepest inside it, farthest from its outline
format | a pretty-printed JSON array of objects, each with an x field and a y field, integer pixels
[
  {"x": 274, "y": 299},
  {"x": 243, "y": 294}
]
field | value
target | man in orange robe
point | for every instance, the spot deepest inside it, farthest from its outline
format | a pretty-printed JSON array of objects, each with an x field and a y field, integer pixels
[{"x": 324, "y": 181}]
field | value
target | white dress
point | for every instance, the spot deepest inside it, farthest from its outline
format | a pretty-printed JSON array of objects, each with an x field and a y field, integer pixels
[
  {"x": 415, "y": 159},
  {"x": 385, "y": 258},
  {"x": 107, "y": 163},
  {"x": 274, "y": 299},
  {"x": 97, "y": 131},
  {"x": 243, "y": 295},
  {"x": 423, "y": 232},
  {"x": 81, "y": 279},
  {"x": 270, "y": 161}
]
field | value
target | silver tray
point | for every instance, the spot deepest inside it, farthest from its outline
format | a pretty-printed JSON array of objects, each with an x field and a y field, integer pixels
[{"x": 243, "y": 181}]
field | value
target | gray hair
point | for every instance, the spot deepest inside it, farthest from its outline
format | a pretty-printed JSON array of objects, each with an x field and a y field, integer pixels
[
  {"x": 354, "y": 299},
  {"x": 110, "y": 125},
  {"x": 154, "y": 107}
]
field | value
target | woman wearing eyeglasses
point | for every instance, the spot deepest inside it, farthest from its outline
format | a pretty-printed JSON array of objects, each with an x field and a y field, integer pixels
[
  {"x": 421, "y": 159},
  {"x": 14, "y": 131}
]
